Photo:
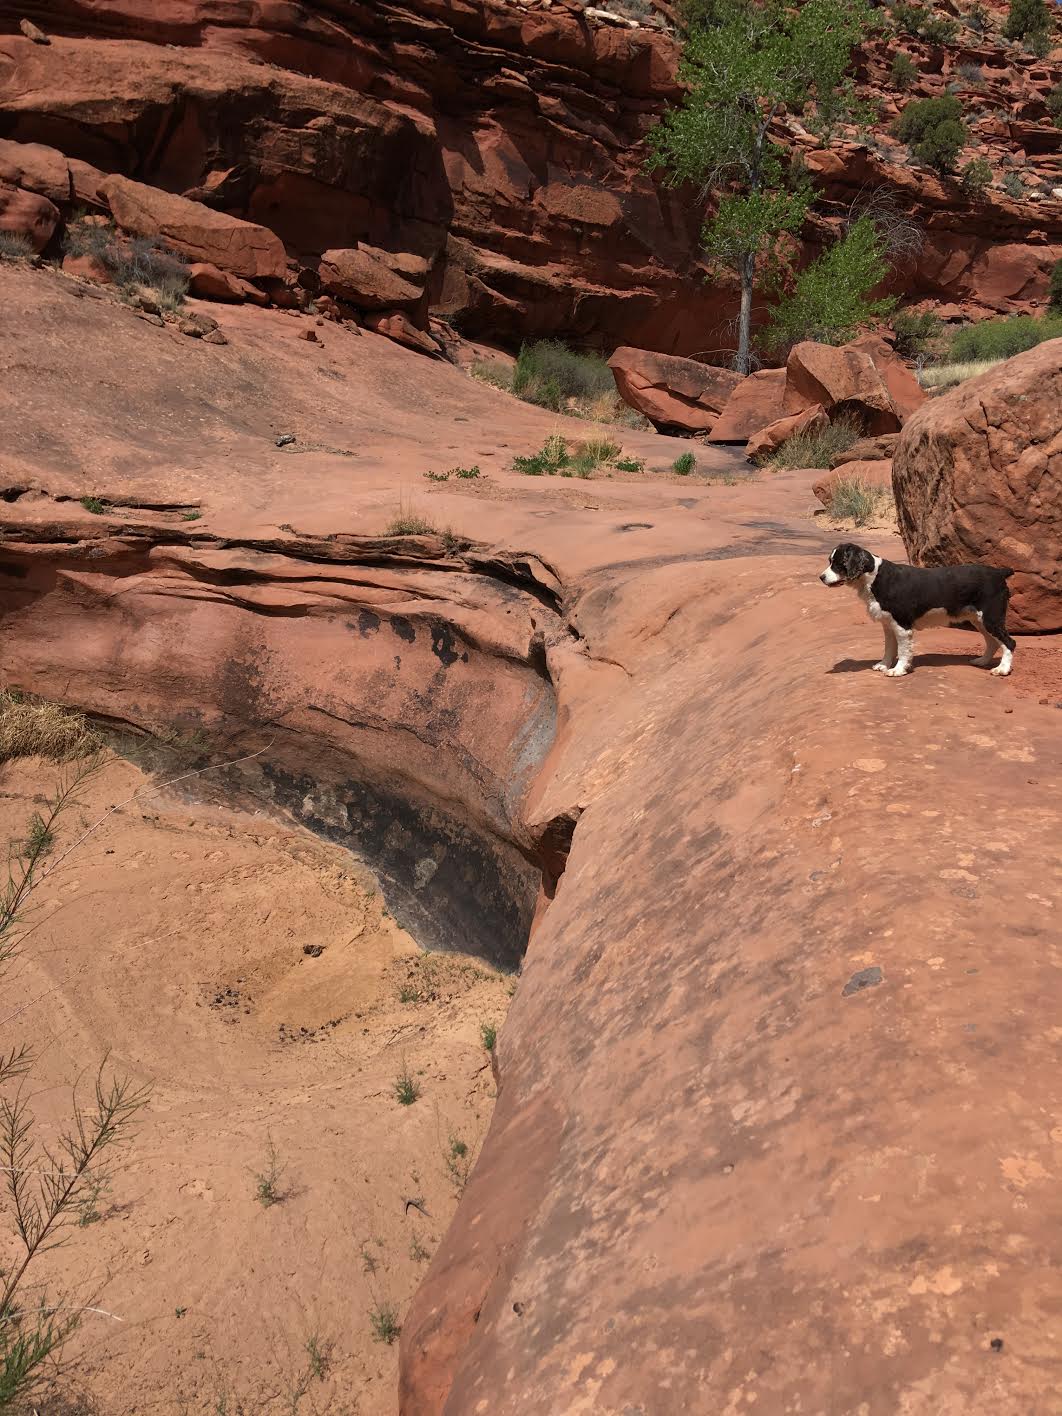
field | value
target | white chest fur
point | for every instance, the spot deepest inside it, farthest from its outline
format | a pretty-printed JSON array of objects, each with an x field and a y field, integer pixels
[{"x": 866, "y": 594}]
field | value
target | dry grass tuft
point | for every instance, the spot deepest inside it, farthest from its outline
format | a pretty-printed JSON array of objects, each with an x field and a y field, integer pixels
[
  {"x": 33, "y": 729},
  {"x": 853, "y": 500},
  {"x": 950, "y": 375}
]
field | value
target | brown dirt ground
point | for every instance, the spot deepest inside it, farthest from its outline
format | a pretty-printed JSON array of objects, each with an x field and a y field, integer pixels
[{"x": 174, "y": 940}]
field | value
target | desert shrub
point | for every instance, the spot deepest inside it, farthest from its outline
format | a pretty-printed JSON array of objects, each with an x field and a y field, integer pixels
[
  {"x": 817, "y": 447},
  {"x": 1013, "y": 186},
  {"x": 915, "y": 332},
  {"x": 493, "y": 374},
  {"x": 830, "y": 299},
  {"x": 971, "y": 74},
  {"x": 933, "y": 130},
  {"x": 14, "y": 246},
  {"x": 939, "y": 29},
  {"x": 629, "y": 464},
  {"x": 142, "y": 260},
  {"x": 851, "y": 499},
  {"x": 1054, "y": 289},
  {"x": 977, "y": 18},
  {"x": 908, "y": 18},
  {"x": 1054, "y": 105},
  {"x": 555, "y": 458},
  {"x": 976, "y": 177},
  {"x": 1003, "y": 338},
  {"x": 903, "y": 72},
  {"x": 684, "y": 464},
  {"x": 410, "y": 523},
  {"x": 548, "y": 373},
  {"x": 1028, "y": 20}
]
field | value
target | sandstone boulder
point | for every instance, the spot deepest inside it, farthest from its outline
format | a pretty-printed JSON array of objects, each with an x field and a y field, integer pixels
[
  {"x": 87, "y": 267},
  {"x": 672, "y": 393},
  {"x": 755, "y": 403},
  {"x": 844, "y": 380},
  {"x": 205, "y": 235},
  {"x": 868, "y": 450},
  {"x": 27, "y": 214},
  {"x": 978, "y": 477},
  {"x": 906, "y": 392},
  {"x": 393, "y": 324},
  {"x": 772, "y": 437},
  {"x": 207, "y": 282},
  {"x": 373, "y": 278},
  {"x": 876, "y": 474}
]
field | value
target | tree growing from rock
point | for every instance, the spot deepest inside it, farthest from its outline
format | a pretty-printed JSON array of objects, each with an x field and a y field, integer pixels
[
  {"x": 1029, "y": 20},
  {"x": 934, "y": 131},
  {"x": 829, "y": 301},
  {"x": 745, "y": 64}
]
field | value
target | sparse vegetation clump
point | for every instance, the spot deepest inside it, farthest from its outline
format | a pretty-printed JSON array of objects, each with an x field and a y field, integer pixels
[
  {"x": 1013, "y": 186},
  {"x": 94, "y": 504},
  {"x": 1054, "y": 105},
  {"x": 489, "y": 1035},
  {"x": 853, "y": 500},
  {"x": 385, "y": 1324},
  {"x": 1054, "y": 290},
  {"x": 1003, "y": 338},
  {"x": 942, "y": 376},
  {"x": 684, "y": 464},
  {"x": 817, "y": 447},
  {"x": 550, "y": 375},
  {"x": 32, "y": 729},
  {"x": 132, "y": 263},
  {"x": 904, "y": 74},
  {"x": 14, "y": 246},
  {"x": 916, "y": 332},
  {"x": 934, "y": 131},
  {"x": 1029, "y": 20},
  {"x": 410, "y": 523},
  {"x": 406, "y": 1088},
  {"x": 557, "y": 458},
  {"x": 976, "y": 177},
  {"x": 268, "y": 1189}
]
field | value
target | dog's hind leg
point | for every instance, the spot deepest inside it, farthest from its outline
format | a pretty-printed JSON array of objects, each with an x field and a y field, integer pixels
[
  {"x": 993, "y": 620},
  {"x": 998, "y": 631},
  {"x": 984, "y": 661},
  {"x": 888, "y": 658},
  {"x": 904, "y": 652}
]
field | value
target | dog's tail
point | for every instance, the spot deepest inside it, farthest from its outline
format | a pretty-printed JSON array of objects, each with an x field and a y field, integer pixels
[{"x": 1006, "y": 572}]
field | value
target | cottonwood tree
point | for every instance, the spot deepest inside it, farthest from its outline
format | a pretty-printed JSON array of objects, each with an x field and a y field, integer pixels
[{"x": 746, "y": 63}]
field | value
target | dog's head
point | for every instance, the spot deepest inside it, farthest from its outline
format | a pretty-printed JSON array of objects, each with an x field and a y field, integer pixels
[{"x": 847, "y": 563}]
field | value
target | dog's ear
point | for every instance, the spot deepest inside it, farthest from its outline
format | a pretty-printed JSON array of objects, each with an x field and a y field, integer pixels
[{"x": 857, "y": 562}]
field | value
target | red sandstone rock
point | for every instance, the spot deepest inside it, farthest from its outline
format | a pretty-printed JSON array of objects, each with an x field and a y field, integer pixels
[
  {"x": 755, "y": 403},
  {"x": 843, "y": 380},
  {"x": 310, "y": 335},
  {"x": 33, "y": 32},
  {"x": 877, "y": 474},
  {"x": 906, "y": 392},
  {"x": 195, "y": 230},
  {"x": 88, "y": 268},
  {"x": 374, "y": 279},
  {"x": 869, "y": 450},
  {"x": 397, "y": 326},
  {"x": 27, "y": 214},
  {"x": 672, "y": 392},
  {"x": 44, "y": 169},
  {"x": 976, "y": 477},
  {"x": 775, "y": 434},
  {"x": 209, "y": 283}
]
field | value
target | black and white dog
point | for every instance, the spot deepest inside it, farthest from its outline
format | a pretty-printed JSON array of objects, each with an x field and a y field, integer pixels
[{"x": 903, "y": 598}]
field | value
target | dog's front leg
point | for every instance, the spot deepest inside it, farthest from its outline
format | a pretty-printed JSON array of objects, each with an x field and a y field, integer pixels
[
  {"x": 904, "y": 652},
  {"x": 888, "y": 658}
]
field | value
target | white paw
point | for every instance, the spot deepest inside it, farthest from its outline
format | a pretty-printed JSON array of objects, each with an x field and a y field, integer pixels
[
  {"x": 880, "y": 667},
  {"x": 983, "y": 661},
  {"x": 1001, "y": 670},
  {"x": 897, "y": 671}
]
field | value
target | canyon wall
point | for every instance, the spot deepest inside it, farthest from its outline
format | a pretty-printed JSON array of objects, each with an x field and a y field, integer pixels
[{"x": 486, "y": 158}]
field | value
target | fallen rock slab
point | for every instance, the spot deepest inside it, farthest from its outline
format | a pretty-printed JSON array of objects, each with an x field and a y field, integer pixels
[
  {"x": 906, "y": 392},
  {"x": 755, "y": 403},
  {"x": 395, "y": 325},
  {"x": 876, "y": 475},
  {"x": 374, "y": 279},
  {"x": 978, "y": 477},
  {"x": 772, "y": 437},
  {"x": 673, "y": 393},
  {"x": 205, "y": 235},
  {"x": 868, "y": 450}
]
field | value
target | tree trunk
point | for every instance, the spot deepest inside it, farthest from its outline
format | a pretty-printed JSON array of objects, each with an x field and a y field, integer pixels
[{"x": 742, "y": 360}]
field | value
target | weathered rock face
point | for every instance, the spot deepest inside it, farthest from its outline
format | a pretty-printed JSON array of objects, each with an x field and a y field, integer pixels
[
  {"x": 500, "y": 144},
  {"x": 755, "y": 403},
  {"x": 671, "y": 392},
  {"x": 978, "y": 477},
  {"x": 843, "y": 381}
]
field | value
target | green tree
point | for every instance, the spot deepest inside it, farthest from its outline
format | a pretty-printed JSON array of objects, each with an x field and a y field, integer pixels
[
  {"x": 1027, "y": 19},
  {"x": 830, "y": 299},
  {"x": 746, "y": 63},
  {"x": 934, "y": 131}
]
